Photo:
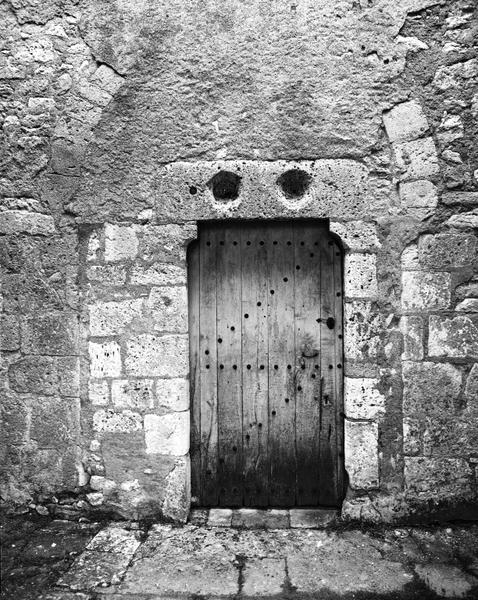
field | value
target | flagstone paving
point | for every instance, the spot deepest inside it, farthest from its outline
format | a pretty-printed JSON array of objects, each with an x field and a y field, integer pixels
[{"x": 58, "y": 560}]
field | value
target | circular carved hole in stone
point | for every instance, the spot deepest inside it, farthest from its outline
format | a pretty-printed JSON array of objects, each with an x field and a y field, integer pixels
[
  {"x": 225, "y": 185},
  {"x": 286, "y": 279},
  {"x": 193, "y": 190},
  {"x": 289, "y": 367},
  {"x": 246, "y": 316},
  {"x": 294, "y": 183},
  {"x": 233, "y": 328},
  {"x": 276, "y": 367},
  {"x": 261, "y": 367},
  {"x": 259, "y": 304},
  {"x": 219, "y": 340}
]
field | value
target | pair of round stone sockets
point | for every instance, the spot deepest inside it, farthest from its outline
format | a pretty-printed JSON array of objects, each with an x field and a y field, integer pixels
[{"x": 225, "y": 185}]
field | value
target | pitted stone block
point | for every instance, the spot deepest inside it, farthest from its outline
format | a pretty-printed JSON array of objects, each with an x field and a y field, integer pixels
[
  {"x": 421, "y": 290},
  {"x": 133, "y": 393},
  {"x": 405, "y": 122},
  {"x": 162, "y": 356},
  {"x": 362, "y": 398},
  {"x": 173, "y": 394},
  {"x": 108, "y": 421},
  {"x": 417, "y": 159},
  {"x": 167, "y": 434},
  {"x": 121, "y": 242},
  {"x": 361, "y": 454},
  {"x": 360, "y": 276},
  {"x": 168, "y": 308},
  {"x": 412, "y": 330},
  {"x": 111, "y": 318},
  {"x": 105, "y": 359},
  {"x": 437, "y": 478},
  {"x": 455, "y": 337}
]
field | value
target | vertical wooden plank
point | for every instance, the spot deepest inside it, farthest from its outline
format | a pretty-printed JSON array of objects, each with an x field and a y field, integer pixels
[
  {"x": 229, "y": 319},
  {"x": 194, "y": 370},
  {"x": 339, "y": 372},
  {"x": 208, "y": 366},
  {"x": 308, "y": 329},
  {"x": 282, "y": 392},
  {"x": 328, "y": 367},
  {"x": 255, "y": 365}
]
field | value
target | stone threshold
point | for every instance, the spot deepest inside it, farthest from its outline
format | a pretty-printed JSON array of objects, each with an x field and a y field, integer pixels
[{"x": 255, "y": 518}]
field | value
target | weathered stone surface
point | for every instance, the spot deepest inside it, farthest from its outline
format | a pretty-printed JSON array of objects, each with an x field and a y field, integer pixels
[
  {"x": 105, "y": 359},
  {"x": 264, "y": 576},
  {"x": 444, "y": 251},
  {"x": 417, "y": 159},
  {"x": 409, "y": 258},
  {"x": 249, "y": 518},
  {"x": 220, "y": 517},
  {"x": 116, "y": 422},
  {"x": 467, "y": 290},
  {"x": 412, "y": 330},
  {"x": 362, "y": 398},
  {"x": 19, "y": 221},
  {"x": 469, "y": 305},
  {"x": 446, "y": 580},
  {"x": 405, "y": 122},
  {"x": 162, "y": 356},
  {"x": 360, "y": 276},
  {"x": 94, "y": 569},
  {"x": 98, "y": 393},
  {"x": 53, "y": 333},
  {"x": 461, "y": 198},
  {"x": 420, "y": 195},
  {"x": 428, "y": 385},
  {"x": 121, "y": 242},
  {"x": 468, "y": 220},
  {"x": 455, "y": 337},
  {"x": 429, "y": 478},
  {"x": 111, "y": 318},
  {"x": 173, "y": 394},
  {"x": 132, "y": 393},
  {"x": 168, "y": 308},
  {"x": 54, "y": 421},
  {"x": 166, "y": 243},
  {"x": 362, "y": 325},
  {"x": 356, "y": 235},
  {"x": 361, "y": 454},
  {"x": 115, "y": 540},
  {"x": 449, "y": 76},
  {"x": 167, "y": 434},
  {"x": 107, "y": 275},
  {"x": 421, "y": 290},
  {"x": 177, "y": 494},
  {"x": 311, "y": 518},
  {"x": 45, "y": 375},
  {"x": 9, "y": 333},
  {"x": 471, "y": 388},
  {"x": 158, "y": 274}
]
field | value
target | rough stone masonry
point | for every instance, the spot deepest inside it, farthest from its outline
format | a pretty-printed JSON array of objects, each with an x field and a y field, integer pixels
[{"x": 114, "y": 118}]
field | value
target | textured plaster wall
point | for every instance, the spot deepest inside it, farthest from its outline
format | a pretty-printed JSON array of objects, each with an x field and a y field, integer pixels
[{"x": 114, "y": 117}]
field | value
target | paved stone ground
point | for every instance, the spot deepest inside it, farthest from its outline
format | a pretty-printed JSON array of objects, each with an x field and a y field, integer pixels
[{"x": 61, "y": 560}]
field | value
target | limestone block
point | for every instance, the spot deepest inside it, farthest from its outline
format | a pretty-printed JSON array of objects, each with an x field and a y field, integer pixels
[
  {"x": 442, "y": 251},
  {"x": 98, "y": 393},
  {"x": 468, "y": 305},
  {"x": 94, "y": 247},
  {"x": 428, "y": 387},
  {"x": 421, "y": 290},
  {"x": 168, "y": 307},
  {"x": 133, "y": 393},
  {"x": 449, "y": 77},
  {"x": 450, "y": 129},
  {"x": 54, "y": 422},
  {"x": 362, "y": 398},
  {"x": 409, "y": 258},
  {"x": 166, "y": 243},
  {"x": 264, "y": 576},
  {"x": 468, "y": 220},
  {"x": 412, "y": 436},
  {"x": 161, "y": 356},
  {"x": 158, "y": 274},
  {"x": 173, "y": 394},
  {"x": 420, "y": 194},
  {"x": 121, "y": 242},
  {"x": 462, "y": 198},
  {"x": 9, "y": 333},
  {"x": 68, "y": 368},
  {"x": 446, "y": 581},
  {"x": 438, "y": 478},
  {"x": 455, "y": 337},
  {"x": 108, "y": 275},
  {"x": 111, "y": 318},
  {"x": 167, "y": 434},
  {"x": 405, "y": 122},
  {"x": 105, "y": 359},
  {"x": 177, "y": 495},
  {"x": 55, "y": 333},
  {"x": 467, "y": 290},
  {"x": 363, "y": 326},
  {"x": 471, "y": 388},
  {"x": 356, "y": 235},
  {"x": 417, "y": 159},
  {"x": 37, "y": 374},
  {"x": 360, "y": 276},
  {"x": 108, "y": 421},
  {"x": 93, "y": 93},
  {"x": 102, "y": 484},
  {"x": 361, "y": 454},
  {"x": 20, "y": 221},
  {"x": 108, "y": 80},
  {"x": 412, "y": 331}
]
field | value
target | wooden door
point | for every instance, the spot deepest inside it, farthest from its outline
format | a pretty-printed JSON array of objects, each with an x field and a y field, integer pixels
[{"x": 265, "y": 311}]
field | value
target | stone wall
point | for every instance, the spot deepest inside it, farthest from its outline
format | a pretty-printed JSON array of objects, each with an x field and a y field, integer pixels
[{"x": 115, "y": 116}]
